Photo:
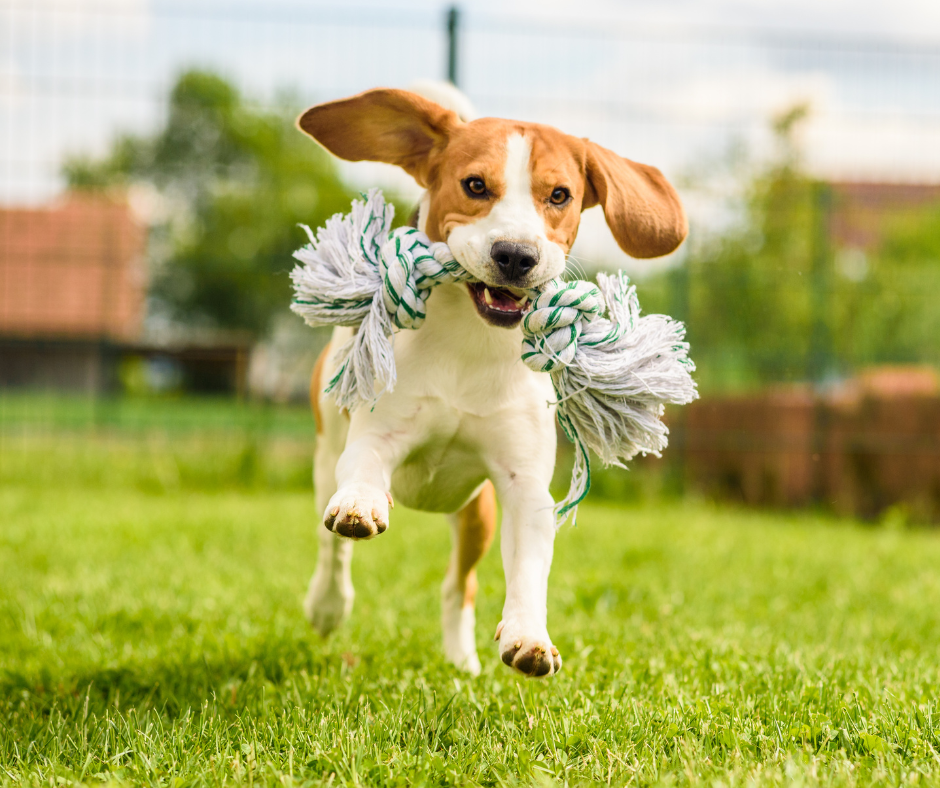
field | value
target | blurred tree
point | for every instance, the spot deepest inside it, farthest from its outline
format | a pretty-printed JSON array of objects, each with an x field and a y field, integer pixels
[
  {"x": 747, "y": 290},
  {"x": 886, "y": 299},
  {"x": 767, "y": 300},
  {"x": 231, "y": 182}
]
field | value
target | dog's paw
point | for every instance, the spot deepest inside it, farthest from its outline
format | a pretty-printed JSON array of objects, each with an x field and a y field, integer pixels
[
  {"x": 459, "y": 625},
  {"x": 535, "y": 657},
  {"x": 358, "y": 511}
]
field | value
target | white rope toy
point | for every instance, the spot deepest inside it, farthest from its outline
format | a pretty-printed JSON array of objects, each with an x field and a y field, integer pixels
[{"x": 613, "y": 370}]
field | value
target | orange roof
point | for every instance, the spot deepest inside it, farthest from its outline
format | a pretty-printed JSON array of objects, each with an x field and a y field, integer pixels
[{"x": 74, "y": 269}]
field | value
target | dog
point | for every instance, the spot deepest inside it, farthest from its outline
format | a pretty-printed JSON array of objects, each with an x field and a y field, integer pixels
[{"x": 467, "y": 421}]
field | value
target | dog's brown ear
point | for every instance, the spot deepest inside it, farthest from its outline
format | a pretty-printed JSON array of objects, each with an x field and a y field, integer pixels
[
  {"x": 392, "y": 126},
  {"x": 642, "y": 209}
]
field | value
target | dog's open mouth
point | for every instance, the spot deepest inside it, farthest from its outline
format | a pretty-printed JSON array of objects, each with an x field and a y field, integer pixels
[{"x": 501, "y": 306}]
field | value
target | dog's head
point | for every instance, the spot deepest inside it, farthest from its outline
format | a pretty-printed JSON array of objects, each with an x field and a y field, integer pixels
[{"x": 505, "y": 196}]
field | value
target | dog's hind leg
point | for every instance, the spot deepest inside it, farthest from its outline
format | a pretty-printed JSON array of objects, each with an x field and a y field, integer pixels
[
  {"x": 330, "y": 594},
  {"x": 473, "y": 528}
]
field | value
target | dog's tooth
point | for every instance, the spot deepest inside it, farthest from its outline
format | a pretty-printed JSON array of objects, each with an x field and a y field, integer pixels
[{"x": 487, "y": 296}]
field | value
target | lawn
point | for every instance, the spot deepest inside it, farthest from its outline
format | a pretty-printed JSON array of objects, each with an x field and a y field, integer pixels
[{"x": 152, "y": 634}]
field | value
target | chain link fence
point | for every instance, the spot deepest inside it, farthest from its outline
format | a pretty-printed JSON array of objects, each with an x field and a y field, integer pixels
[{"x": 74, "y": 76}]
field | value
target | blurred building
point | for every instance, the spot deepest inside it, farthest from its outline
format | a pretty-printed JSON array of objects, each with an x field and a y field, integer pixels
[
  {"x": 72, "y": 305},
  {"x": 72, "y": 290}
]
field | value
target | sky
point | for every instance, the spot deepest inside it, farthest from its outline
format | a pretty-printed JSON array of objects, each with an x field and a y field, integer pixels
[
  {"x": 908, "y": 20},
  {"x": 671, "y": 82}
]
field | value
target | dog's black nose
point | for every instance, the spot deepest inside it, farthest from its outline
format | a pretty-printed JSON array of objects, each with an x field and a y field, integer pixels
[{"x": 514, "y": 258}]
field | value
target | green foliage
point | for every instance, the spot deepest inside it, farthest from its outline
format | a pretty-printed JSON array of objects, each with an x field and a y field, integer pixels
[
  {"x": 747, "y": 291},
  {"x": 156, "y": 638},
  {"x": 52, "y": 414},
  {"x": 768, "y": 299},
  {"x": 890, "y": 313},
  {"x": 154, "y": 444},
  {"x": 233, "y": 182},
  {"x": 173, "y": 443}
]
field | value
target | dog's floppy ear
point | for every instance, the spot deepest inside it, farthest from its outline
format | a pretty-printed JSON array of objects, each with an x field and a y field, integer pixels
[
  {"x": 392, "y": 126},
  {"x": 641, "y": 207}
]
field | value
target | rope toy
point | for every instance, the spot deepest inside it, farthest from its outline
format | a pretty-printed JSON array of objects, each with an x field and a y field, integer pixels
[{"x": 612, "y": 370}]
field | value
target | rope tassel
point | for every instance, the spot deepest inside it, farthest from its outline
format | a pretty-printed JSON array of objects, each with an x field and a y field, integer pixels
[{"x": 613, "y": 370}]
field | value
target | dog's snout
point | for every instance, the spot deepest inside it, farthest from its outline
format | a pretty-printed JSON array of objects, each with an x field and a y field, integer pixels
[{"x": 514, "y": 258}]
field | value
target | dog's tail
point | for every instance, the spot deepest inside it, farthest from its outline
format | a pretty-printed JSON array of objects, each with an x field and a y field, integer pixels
[{"x": 447, "y": 95}]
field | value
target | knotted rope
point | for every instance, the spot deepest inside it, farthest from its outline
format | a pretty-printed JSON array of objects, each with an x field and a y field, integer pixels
[{"x": 612, "y": 370}]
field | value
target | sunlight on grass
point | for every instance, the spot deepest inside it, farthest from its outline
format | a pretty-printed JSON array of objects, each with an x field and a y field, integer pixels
[{"x": 156, "y": 634}]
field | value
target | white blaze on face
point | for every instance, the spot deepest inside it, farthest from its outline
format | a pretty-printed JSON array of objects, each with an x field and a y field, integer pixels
[{"x": 513, "y": 218}]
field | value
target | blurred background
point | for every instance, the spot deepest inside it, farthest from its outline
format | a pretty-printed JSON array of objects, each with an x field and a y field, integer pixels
[{"x": 151, "y": 183}]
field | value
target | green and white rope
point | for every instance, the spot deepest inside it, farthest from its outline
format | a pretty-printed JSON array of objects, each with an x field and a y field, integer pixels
[{"x": 612, "y": 370}]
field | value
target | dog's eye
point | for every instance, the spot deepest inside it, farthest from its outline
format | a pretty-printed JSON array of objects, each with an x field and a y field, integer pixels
[
  {"x": 560, "y": 196},
  {"x": 474, "y": 187}
]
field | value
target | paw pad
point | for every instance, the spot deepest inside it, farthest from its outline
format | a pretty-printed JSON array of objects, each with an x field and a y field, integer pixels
[
  {"x": 358, "y": 513},
  {"x": 535, "y": 657}
]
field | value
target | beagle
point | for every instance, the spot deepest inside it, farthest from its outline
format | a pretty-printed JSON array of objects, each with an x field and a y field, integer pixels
[{"x": 468, "y": 422}]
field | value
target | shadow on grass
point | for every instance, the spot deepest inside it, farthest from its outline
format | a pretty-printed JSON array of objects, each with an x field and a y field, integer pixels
[{"x": 175, "y": 684}]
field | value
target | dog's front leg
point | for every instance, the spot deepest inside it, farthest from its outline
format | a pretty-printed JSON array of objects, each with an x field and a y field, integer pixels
[
  {"x": 359, "y": 507},
  {"x": 527, "y": 542}
]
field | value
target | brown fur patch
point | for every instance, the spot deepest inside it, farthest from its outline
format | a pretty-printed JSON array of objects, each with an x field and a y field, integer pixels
[
  {"x": 316, "y": 387},
  {"x": 557, "y": 160},
  {"x": 476, "y": 526},
  {"x": 642, "y": 209},
  {"x": 394, "y": 126},
  {"x": 476, "y": 149}
]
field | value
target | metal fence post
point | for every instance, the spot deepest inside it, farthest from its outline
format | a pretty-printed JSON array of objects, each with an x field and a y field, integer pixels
[
  {"x": 453, "y": 27},
  {"x": 820, "y": 361}
]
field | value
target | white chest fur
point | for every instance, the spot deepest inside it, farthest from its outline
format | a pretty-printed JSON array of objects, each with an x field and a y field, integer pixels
[{"x": 464, "y": 406}]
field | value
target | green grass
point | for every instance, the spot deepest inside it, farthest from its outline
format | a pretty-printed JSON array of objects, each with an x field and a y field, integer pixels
[
  {"x": 153, "y": 635},
  {"x": 154, "y": 444},
  {"x": 32, "y": 411},
  {"x": 166, "y": 444}
]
